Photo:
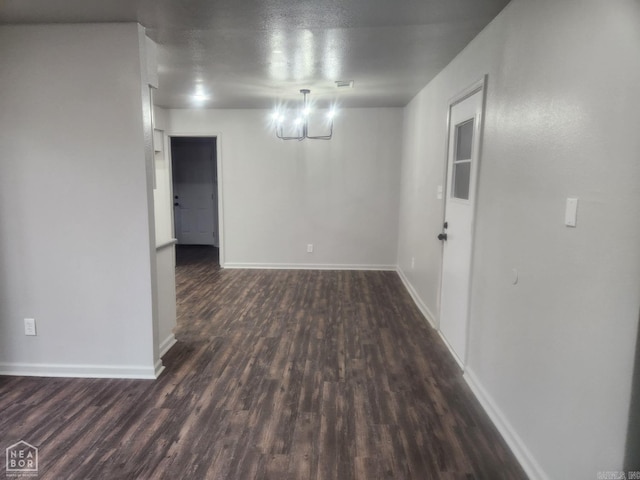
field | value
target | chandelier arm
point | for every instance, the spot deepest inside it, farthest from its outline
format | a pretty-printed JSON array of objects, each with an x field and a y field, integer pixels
[
  {"x": 282, "y": 137},
  {"x": 323, "y": 137},
  {"x": 304, "y": 129}
]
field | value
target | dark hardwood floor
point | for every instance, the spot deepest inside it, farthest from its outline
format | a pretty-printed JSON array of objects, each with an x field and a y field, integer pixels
[{"x": 276, "y": 375}]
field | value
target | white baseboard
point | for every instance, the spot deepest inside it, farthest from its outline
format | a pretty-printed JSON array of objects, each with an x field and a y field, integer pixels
[
  {"x": 78, "y": 371},
  {"x": 166, "y": 344},
  {"x": 159, "y": 368},
  {"x": 307, "y": 266},
  {"x": 518, "y": 447},
  {"x": 452, "y": 351},
  {"x": 513, "y": 440},
  {"x": 417, "y": 300},
  {"x": 427, "y": 314}
]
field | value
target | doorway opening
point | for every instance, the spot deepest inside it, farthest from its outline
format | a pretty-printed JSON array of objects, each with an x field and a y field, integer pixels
[{"x": 194, "y": 165}]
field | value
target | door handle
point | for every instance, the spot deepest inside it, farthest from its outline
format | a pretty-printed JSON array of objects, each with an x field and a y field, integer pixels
[{"x": 443, "y": 235}]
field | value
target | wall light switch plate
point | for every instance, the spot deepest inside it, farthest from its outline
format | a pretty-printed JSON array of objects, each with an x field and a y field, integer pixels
[
  {"x": 571, "y": 212},
  {"x": 310, "y": 248}
]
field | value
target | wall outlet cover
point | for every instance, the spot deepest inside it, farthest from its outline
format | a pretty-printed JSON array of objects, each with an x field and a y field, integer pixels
[{"x": 30, "y": 326}]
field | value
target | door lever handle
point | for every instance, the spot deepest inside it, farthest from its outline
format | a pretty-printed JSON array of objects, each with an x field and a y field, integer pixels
[{"x": 442, "y": 236}]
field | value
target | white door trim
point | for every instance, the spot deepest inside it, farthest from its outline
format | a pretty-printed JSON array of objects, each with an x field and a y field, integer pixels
[
  {"x": 219, "y": 172},
  {"x": 476, "y": 87}
]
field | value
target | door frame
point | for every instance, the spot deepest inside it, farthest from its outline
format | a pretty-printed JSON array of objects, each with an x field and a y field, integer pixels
[
  {"x": 219, "y": 176},
  {"x": 476, "y": 87}
]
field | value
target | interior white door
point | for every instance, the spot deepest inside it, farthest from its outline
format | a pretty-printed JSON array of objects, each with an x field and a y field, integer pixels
[
  {"x": 457, "y": 236},
  {"x": 194, "y": 191}
]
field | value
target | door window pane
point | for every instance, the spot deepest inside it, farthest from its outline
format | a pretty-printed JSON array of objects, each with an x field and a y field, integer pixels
[
  {"x": 464, "y": 140},
  {"x": 461, "y": 177},
  {"x": 462, "y": 160}
]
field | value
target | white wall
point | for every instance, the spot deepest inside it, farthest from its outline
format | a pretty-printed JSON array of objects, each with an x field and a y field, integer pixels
[
  {"x": 552, "y": 355},
  {"x": 163, "y": 201},
  {"x": 165, "y": 250},
  {"x": 75, "y": 229},
  {"x": 166, "y": 285},
  {"x": 278, "y": 196}
]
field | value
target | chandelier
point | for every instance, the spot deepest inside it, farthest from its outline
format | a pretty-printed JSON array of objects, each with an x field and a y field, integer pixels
[{"x": 298, "y": 128}]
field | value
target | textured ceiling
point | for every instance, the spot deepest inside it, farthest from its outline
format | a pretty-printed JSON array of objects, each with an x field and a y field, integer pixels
[{"x": 255, "y": 53}]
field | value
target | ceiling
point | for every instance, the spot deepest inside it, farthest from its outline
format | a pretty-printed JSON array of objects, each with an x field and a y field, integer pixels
[{"x": 255, "y": 53}]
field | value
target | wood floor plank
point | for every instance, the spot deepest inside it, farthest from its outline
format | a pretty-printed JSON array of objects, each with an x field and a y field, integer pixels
[{"x": 288, "y": 375}]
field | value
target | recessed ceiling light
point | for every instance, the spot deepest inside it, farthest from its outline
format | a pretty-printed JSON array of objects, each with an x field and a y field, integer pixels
[
  {"x": 200, "y": 95},
  {"x": 344, "y": 83}
]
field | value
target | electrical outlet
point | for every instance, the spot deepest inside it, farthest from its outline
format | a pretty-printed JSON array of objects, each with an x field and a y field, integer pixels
[
  {"x": 30, "y": 326},
  {"x": 310, "y": 248}
]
